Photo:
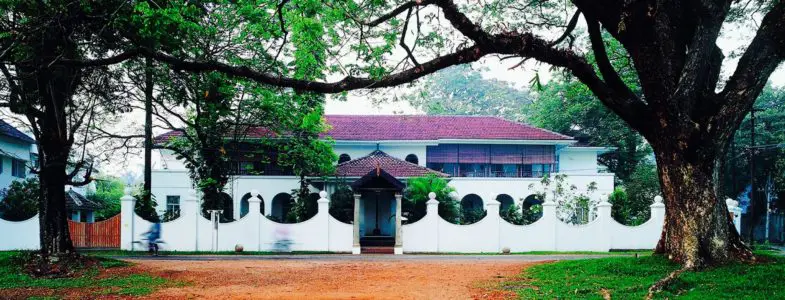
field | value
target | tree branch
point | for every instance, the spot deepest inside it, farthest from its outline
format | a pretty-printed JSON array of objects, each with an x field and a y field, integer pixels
[
  {"x": 764, "y": 54},
  {"x": 103, "y": 61},
  {"x": 601, "y": 55},
  {"x": 349, "y": 83}
]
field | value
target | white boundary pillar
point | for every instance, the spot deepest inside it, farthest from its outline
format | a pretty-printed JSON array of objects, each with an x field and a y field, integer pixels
[
  {"x": 127, "y": 203},
  {"x": 356, "y": 226}
]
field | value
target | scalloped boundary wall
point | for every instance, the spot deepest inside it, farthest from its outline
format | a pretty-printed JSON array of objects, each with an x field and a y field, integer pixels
[{"x": 492, "y": 234}]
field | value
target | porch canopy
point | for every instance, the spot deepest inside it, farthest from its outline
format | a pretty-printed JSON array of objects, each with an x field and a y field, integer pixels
[{"x": 378, "y": 161}]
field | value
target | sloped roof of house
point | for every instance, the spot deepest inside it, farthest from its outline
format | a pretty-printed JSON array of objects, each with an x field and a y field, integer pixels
[
  {"x": 11, "y": 131},
  {"x": 428, "y": 127},
  {"x": 74, "y": 200},
  {"x": 382, "y": 161},
  {"x": 418, "y": 128}
]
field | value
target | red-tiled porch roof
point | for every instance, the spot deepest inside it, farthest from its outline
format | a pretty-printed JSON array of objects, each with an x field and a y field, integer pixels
[
  {"x": 419, "y": 127},
  {"x": 396, "y": 167}
]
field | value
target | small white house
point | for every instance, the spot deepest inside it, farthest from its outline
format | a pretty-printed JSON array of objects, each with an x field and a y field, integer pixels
[
  {"x": 16, "y": 154},
  {"x": 484, "y": 158}
]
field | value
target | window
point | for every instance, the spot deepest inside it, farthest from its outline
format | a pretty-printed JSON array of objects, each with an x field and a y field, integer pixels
[
  {"x": 18, "y": 168},
  {"x": 412, "y": 159},
  {"x": 344, "y": 158},
  {"x": 172, "y": 203}
]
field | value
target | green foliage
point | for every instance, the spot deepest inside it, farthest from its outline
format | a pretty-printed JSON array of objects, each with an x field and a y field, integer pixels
[
  {"x": 305, "y": 206},
  {"x": 416, "y": 195},
  {"x": 342, "y": 203},
  {"x": 145, "y": 209},
  {"x": 769, "y": 154},
  {"x": 19, "y": 201},
  {"x": 108, "y": 192},
  {"x": 471, "y": 216},
  {"x": 12, "y": 277},
  {"x": 573, "y": 206},
  {"x": 630, "y": 278},
  {"x": 462, "y": 90},
  {"x": 513, "y": 215},
  {"x": 567, "y": 106},
  {"x": 631, "y": 202},
  {"x": 531, "y": 215}
]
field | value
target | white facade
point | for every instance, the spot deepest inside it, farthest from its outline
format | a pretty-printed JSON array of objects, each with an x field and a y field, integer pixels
[
  {"x": 11, "y": 150},
  {"x": 579, "y": 164}
]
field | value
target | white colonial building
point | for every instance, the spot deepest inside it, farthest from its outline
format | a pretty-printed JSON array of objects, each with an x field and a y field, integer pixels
[{"x": 486, "y": 159}]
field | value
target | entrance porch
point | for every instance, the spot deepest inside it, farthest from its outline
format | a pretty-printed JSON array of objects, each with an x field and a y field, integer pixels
[{"x": 377, "y": 214}]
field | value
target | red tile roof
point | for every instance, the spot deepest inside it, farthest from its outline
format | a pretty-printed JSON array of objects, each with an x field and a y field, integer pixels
[
  {"x": 425, "y": 127},
  {"x": 394, "y": 166},
  {"x": 420, "y": 127}
]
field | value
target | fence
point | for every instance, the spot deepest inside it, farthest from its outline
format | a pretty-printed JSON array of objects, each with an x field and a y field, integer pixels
[
  {"x": 192, "y": 232},
  {"x": 104, "y": 234}
]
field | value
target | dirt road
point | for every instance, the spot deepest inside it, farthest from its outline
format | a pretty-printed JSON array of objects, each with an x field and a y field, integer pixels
[{"x": 334, "y": 279}]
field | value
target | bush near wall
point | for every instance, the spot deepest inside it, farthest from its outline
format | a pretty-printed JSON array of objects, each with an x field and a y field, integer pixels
[{"x": 20, "y": 200}]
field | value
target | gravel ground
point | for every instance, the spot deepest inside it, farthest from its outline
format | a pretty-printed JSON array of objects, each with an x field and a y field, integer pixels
[{"x": 337, "y": 276}]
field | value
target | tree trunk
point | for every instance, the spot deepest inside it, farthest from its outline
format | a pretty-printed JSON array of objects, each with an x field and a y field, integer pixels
[
  {"x": 53, "y": 217},
  {"x": 698, "y": 229},
  {"x": 148, "y": 129}
]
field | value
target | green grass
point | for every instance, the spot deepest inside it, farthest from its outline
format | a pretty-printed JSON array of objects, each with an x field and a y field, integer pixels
[
  {"x": 630, "y": 278},
  {"x": 11, "y": 277}
]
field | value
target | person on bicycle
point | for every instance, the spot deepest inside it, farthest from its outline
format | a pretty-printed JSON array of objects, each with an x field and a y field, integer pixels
[{"x": 153, "y": 236}]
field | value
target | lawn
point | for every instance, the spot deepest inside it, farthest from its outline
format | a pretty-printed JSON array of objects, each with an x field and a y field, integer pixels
[
  {"x": 89, "y": 282},
  {"x": 630, "y": 278}
]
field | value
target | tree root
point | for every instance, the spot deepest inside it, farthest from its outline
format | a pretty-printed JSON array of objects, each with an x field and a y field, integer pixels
[{"x": 660, "y": 284}]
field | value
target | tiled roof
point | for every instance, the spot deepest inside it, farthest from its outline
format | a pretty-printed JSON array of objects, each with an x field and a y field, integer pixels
[
  {"x": 11, "y": 131},
  {"x": 394, "y": 166},
  {"x": 74, "y": 200},
  {"x": 419, "y": 127},
  {"x": 425, "y": 127}
]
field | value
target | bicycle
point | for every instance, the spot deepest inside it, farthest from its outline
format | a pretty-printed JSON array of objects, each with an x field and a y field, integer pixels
[{"x": 152, "y": 248}]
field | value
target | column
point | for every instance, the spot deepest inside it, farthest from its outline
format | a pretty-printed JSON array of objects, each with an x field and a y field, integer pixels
[
  {"x": 323, "y": 217},
  {"x": 604, "y": 215},
  {"x": 398, "y": 232},
  {"x": 127, "y": 203},
  {"x": 254, "y": 218},
  {"x": 190, "y": 213},
  {"x": 658, "y": 211},
  {"x": 356, "y": 225},
  {"x": 492, "y": 211},
  {"x": 432, "y": 220},
  {"x": 735, "y": 211},
  {"x": 551, "y": 223}
]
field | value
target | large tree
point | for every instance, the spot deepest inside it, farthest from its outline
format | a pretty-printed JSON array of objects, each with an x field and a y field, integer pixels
[
  {"x": 685, "y": 111},
  {"x": 52, "y": 60},
  {"x": 462, "y": 90}
]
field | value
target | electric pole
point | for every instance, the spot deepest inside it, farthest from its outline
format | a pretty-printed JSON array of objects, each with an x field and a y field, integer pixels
[{"x": 753, "y": 220}]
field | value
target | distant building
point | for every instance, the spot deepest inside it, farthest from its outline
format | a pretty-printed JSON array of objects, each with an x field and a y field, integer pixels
[{"x": 16, "y": 154}]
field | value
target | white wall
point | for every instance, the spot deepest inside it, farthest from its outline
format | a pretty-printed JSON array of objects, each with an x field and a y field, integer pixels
[
  {"x": 492, "y": 233},
  {"x": 12, "y": 148},
  {"x": 398, "y": 151},
  {"x": 22, "y": 235},
  {"x": 577, "y": 160},
  {"x": 518, "y": 188}
]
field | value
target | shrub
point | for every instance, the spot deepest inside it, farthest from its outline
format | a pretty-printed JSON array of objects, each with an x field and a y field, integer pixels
[
  {"x": 512, "y": 215},
  {"x": 342, "y": 203},
  {"x": 20, "y": 200},
  {"x": 416, "y": 196},
  {"x": 471, "y": 216}
]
